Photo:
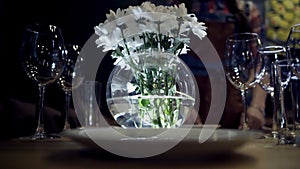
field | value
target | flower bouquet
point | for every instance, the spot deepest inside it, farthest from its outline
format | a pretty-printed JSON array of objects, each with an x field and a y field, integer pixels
[{"x": 150, "y": 85}]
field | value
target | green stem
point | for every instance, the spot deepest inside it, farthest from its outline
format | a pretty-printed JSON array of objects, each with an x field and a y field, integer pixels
[
  {"x": 157, "y": 111},
  {"x": 142, "y": 117},
  {"x": 124, "y": 40},
  {"x": 144, "y": 40},
  {"x": 166, "y": 91},
  {"x": 159, "y": 35},
  {"x": 179, "y": 25},
  {"x": 150, "y": 40}
]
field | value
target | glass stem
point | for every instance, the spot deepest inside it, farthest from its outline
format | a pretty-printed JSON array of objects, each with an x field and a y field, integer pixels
[
  {"x": 274, "y": 116},
  {"x": 40, "y": 107},
  {"x": 67, "y": 107},
  {"x": 244, "y": 114}
]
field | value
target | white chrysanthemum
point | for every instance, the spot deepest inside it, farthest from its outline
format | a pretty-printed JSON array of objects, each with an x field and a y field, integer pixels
[
  {"x": 114, "y": 15},
  {"x": 99, "y": 30},
  {"x": 162, "y": 9},
  {"x": 148, "y": 6},
  {"x": 172, "y": 21},
  {"x": 198, "y": 29},
  {"x": 181, "y": 10},
  {"x": 111, "y": 41},
  {"x": 133, "y": 44}
]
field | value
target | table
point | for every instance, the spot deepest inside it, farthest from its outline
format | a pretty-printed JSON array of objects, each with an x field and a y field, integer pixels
[{"x": 64, "y": 153}]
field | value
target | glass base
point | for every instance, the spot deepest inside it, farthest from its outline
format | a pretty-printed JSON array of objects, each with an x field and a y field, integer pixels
[
  {"x": 289, "y": 137},
  {"x": 67, "y": 126},
  {"x": 274, "y": 134},
  {"x": 244, "y": 127},
  {"x": 40, "y": 136}
]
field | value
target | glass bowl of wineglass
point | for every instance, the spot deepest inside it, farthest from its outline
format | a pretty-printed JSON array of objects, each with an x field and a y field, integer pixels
[
  {"x": 271, "y": 54},
  {"x": 70, "y": 78},
  {"x": 293, "y": 42}
]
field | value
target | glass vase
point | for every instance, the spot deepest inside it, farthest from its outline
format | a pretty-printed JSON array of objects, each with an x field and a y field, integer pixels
[{"x": 151, "y": 89}]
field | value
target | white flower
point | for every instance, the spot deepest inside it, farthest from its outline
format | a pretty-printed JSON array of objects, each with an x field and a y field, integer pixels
[
  {"x": 150, "y": 22},
  {"x": 198, "y": 29},
  {"x": 134, "y": 10},
  {"x": 162, "y": 9},
  {"x": 110, "y": 41},
  {"x": 180, "y": 10},
  {"x": 170, "y": 21},
  {"x": 148, "y": 7},
  {"x": 111, "y": 16},
  {"x": 133, "y": 44}
]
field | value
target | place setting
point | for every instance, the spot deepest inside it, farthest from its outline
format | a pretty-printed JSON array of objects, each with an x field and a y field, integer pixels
[{"x": 150, "y": 92}]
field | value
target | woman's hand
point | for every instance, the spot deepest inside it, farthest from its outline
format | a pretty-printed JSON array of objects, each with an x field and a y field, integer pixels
[
  {"x": 256, "y": 110},
  {"x": 255, "y": 116}
]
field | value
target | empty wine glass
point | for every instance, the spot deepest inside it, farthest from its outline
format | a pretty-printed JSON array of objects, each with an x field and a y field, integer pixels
[
  {"x": 271, "y": 54},
  {"x": 70, "y": 78},
  {"x": 41, "y": 55},
  {"x": 293, "y": 42},
  {"x": 243, "y": 65},
  {"x": 293, "y": 47}
]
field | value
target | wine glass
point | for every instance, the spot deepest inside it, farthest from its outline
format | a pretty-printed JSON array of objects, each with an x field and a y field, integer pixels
[
  {"x": 41, "y": 55},
  {"x": 70, "y": 78},
  {"x": 271, "y": 54},
  {"x": 293, "y": 47},
  {"x": 293, "y": 42},
  {"x": 243, "y": 65}
]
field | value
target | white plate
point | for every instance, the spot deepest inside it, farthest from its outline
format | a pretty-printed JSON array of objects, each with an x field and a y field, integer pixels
[{"x": 220, "y": 141}]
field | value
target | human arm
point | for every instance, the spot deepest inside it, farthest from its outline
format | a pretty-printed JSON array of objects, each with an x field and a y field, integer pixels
[{"x": 255, "y": 110}]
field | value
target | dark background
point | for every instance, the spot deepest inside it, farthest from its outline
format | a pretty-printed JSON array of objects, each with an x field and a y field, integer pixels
[{"x": 77, "y": 20}]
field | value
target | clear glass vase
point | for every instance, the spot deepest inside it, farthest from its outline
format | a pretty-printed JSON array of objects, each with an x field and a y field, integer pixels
[{"x": 151, "y": 89}]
